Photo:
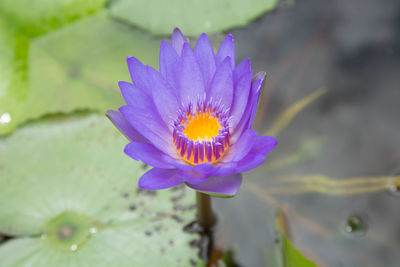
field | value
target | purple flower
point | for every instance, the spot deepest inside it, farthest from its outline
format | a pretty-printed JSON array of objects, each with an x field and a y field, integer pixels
[{"x": 192, "y": 119}]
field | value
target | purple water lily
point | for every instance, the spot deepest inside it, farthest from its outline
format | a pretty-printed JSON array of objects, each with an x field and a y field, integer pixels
[{"x": 192, "y": 119}]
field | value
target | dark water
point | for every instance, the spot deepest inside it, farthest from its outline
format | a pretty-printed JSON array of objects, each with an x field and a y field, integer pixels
[{"x": 350, "y": 216}]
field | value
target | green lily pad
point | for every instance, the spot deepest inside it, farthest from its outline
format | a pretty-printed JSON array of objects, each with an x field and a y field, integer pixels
[
  {"x": 21, "y": 20},
  {"x": 70, "y": 194},
  {"x": 191, "y": 16},
  {"x": 75, "y": 67},
  {"x": 40, "y": 16},
  {"x": 286, "y": 254},
  {"x": 7, "y": 43},
  {"x": 294, "y": 258},
  {"x": 13, "y": 82},
  {"x": 69, "y": 230}
]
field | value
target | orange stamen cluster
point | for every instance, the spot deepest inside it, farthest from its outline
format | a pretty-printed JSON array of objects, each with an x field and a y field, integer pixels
[{"x": 201, "y": 136}]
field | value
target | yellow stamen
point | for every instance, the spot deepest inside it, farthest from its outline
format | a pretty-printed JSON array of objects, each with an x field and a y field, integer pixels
[
  {"x": 201, "y": 127},
  {"x": 202, "y": 137}
]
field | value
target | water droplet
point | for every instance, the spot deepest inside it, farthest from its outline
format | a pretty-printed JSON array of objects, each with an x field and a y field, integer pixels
[
  {"x": 393, "y": 187},
  {"x": 355, "y": 226},
  {"x": 74, "y": 247},
  {"x": 5, "y": 118},
  {"x": 93, "y": 230}
]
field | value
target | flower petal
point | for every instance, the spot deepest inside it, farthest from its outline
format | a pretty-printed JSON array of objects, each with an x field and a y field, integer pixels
[
  {"x": 205, "y": 57},
  {"x": 163, "y": 97},
  {"x": 249, "y": 162},
  {"x": 247, "y": 118},
  {"x": 222, "y": 186},
  {"x": 221, "y": 87},
  {"x": 134, "y": 96},
  {"x": 123, "y": 125},
  {"x": 191, "y": 84},
  {"x": 192, "y": 177},
  {"x": 148, "y": 154},
  {"x": 242, "y": 147},
  {"x": 240, "y": 97},
  {"x": 226, "y": 49},
  {"x": 241, "y": 69},
  {"x": 178, "y": 40},
  {"x": 168, "y": 62},
  {"x": 150, "y": 126},
  {"x": 156, "y": 179},
  {"x": 264, "y": 144},
  {"x": 205, "y": 168},
  {"x": 225, "y": 169},
  {"x": 256, "y": 88},
  {"x": 138, "y": 74}
]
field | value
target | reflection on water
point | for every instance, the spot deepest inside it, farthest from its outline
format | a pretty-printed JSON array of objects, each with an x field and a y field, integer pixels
[
  {"x": 355, "y": 226},
  {"x": 340, "y": 184}
]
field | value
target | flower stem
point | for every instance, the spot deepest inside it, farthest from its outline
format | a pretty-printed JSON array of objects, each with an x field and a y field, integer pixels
[{"x": 205, "y": 215}]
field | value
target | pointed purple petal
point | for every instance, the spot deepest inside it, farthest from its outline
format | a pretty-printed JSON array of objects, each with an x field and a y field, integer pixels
[
  {"x": 191, "y": 84},
  {"x": 150, "y": 126},
  {"x": 205, "y": 57},
  {"x": 178, "y": 40},
  {"x": 178, "y": 163},
  {"x": 247, "y": 118},
  {"x": 255, "y": 157},
  {"x": 148, "y": 154},
  {"x": 168, "y": 63},
  {"x": 242, "y": 68},
  {"x": 192, "y": 177},
  {"x": 257, "y": 87},
  {"x": 240, "y": 97},
  {"x": 163, "y": 97},
  {"x": 124, "y": 126},
  {"x": 264, "y": 144},
  {"x": 225, "y": 169},
  {"x": 251, "y": 161},
  {"x": 227, "y": 186},
  {"x": 242, "y": 147},
  {"x": 138, "y": 74},
  {"x": 205, "y": 168},
  {"x": 134, "y": 96},
  {"x": 156, "y": 179},
  {"x": 226, "y": 49},
  {"x": 221, "y": 87}
]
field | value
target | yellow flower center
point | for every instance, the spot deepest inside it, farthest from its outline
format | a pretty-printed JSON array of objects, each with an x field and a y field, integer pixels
[
  {"x": 202, "y": 127},
  {"x": 201, "y": 136}
]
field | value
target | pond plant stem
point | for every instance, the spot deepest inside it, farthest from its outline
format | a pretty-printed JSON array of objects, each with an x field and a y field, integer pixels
[{"x": 205, "y": 215}]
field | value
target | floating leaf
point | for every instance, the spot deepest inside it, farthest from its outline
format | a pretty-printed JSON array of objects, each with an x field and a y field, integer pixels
[
  {"x": 21, "y": 20},
  {"x": 72, "y": 196},
  {"x": 7, "y": 43},
  {"x": 76, "y": 67},
  {"x": 40, "y": 16},
  {"x": 13, "y": 77},
  {"x": 191, "y": 16},
  {"x": 288, "y": 255}
]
